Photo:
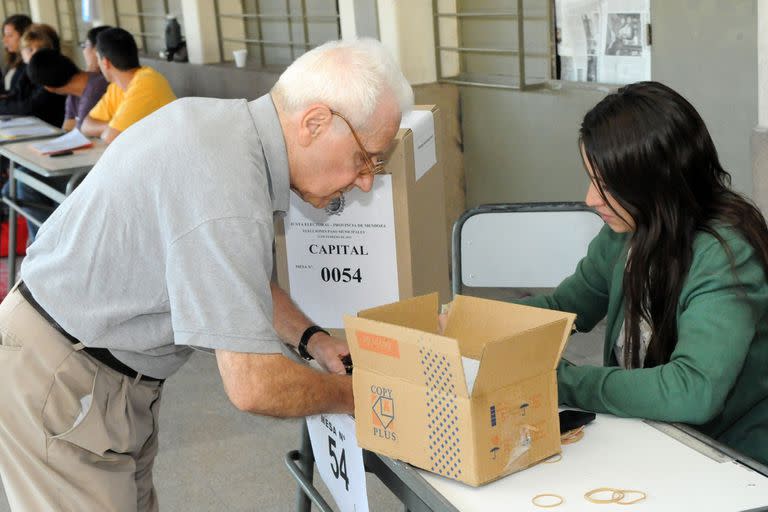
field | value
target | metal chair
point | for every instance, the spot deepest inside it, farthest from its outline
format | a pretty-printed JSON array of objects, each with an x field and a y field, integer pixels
[{"x": 520, "y": 245}]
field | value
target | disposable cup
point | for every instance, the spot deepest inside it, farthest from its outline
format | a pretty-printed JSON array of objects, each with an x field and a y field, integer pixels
[{"x": 240, "y": 56}]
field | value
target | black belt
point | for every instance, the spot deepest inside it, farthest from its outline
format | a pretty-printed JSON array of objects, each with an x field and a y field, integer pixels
[{"x": 100, "y": 354}]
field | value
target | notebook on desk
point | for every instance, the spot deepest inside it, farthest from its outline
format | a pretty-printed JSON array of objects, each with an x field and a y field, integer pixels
[
  {"x": 67, "y": 143},
  {"x": 24, "y": 127},
  {"x": 15, "y": 121}
]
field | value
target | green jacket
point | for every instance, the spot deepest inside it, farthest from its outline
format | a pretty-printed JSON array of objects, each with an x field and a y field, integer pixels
[{"x": 717, "y": 378}]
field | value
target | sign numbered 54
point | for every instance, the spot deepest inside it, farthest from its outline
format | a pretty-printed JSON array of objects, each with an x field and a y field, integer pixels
[{"x": 339, "y": 460}]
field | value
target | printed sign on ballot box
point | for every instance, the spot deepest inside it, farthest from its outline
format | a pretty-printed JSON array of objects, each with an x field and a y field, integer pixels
[
  {"x": 346, "y": 261},
  {"x": 339, "y": 460}
]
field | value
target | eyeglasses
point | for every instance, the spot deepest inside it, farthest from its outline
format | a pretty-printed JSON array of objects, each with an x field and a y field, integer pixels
[
  {"x": 85, "y": 44},
  {"x": 374, "y": 166}
]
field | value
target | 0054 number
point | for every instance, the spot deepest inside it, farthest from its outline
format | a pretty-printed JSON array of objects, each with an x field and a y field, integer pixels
[{"x": 340, "y": 275}]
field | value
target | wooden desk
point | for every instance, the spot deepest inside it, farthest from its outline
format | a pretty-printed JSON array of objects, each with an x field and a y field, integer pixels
[{"x": 21, "y": 155}]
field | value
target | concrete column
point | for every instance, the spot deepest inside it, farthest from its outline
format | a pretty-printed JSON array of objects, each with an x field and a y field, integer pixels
[
  {"x": 200, "y": 31},
  {"x": 359, "y": 18},
  {"x": 760, "y": 133},
  {"x": 762, "y": 62},
  {"x": 407, "y": 29}
]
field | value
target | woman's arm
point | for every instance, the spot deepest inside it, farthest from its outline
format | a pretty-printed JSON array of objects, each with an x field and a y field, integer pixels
[
  {"x": 717, "y": 318},
  {"x": 586, "y": 291}
]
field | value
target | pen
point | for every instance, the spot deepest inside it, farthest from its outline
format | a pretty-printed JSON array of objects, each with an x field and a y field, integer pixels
[{"x": 63, "y": 153}]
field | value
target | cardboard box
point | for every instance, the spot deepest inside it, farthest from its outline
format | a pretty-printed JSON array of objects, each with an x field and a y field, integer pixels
[
  {"x": 420, "y": 243},
  {"x": 414, "y": 398}
]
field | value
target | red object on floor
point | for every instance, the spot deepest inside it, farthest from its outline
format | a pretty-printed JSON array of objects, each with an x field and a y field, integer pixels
[{"x": 21, "y": 237}]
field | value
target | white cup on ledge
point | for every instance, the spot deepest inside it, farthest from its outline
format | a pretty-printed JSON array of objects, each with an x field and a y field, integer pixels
[{"x": 240, "y": 57}]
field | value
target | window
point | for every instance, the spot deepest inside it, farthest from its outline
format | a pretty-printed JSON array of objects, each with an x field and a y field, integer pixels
[
  {"x": 522, "y": 44},
  {"x": 504, "y": 44},
  {"x": 146, "y": 19},
  {"x": 72, "y": 30},
  {"x": 275, "y": 32},
  {"x": 11, "y": 7}
]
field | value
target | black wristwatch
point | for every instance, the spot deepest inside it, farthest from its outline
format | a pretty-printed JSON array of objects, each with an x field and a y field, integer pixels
[{"x": 312, "y": 329}]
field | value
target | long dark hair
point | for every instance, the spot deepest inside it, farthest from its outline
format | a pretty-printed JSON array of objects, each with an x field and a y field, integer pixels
[
  {"x": 654, "y": 156},
  {"x": 20, "y": 23}
]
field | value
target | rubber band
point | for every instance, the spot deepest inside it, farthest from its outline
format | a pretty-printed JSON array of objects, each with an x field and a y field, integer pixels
[
  {"x": 547, "y": 495},
  {"x": 642, "y": 495},
  {"x": 616, "y": 495},
  {"x": 552, "y": 459},
  {"x": 572, "y": 436}
]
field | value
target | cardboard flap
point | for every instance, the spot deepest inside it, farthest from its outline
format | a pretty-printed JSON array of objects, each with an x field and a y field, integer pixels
[
  {"x": 475, "y": 322},
  {"x": 417, "y": 313},
  {"x": 522, "y": 356},
  {"x": 409, "y": 354}
]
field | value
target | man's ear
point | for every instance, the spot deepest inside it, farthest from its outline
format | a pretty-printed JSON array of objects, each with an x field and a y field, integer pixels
[
  {"x": 314, "y": 122},
  {"x": 104, "y": 62}
]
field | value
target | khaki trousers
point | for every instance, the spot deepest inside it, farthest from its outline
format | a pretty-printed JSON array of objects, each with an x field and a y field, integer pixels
[{"x": 75, "y": 435}]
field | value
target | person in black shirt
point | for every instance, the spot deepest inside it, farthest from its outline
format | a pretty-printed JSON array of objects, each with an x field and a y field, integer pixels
[
  {"x": 29, "y": 99},
  {"x": 26, "y": 98},
  {"x": 13, "y": 28}
]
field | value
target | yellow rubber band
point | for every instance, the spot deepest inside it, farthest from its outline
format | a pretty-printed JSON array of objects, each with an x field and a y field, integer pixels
[
  {"x": 616, "y": 495},
  {"x": 547, "y": 495},
  {"x": 572, "y": 436},
  {"x": 641, "y": 497}
]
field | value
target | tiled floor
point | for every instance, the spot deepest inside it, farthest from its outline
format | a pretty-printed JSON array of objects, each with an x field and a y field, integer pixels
[{"x": 214, "y": 458}]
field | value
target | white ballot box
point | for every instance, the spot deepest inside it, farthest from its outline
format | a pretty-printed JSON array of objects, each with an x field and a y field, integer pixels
[{"x": 386, "y": 245}]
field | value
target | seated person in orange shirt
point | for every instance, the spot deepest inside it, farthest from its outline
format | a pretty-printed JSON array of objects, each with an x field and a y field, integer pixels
[{"x": 134, "y": 91}]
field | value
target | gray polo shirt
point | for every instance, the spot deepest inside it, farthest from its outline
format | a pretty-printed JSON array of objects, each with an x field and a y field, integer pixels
[{"x": 167, "y": 243}]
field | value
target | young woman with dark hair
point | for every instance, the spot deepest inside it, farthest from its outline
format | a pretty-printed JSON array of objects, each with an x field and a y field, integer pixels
[
  {"x": 679, "y": 272},
  {"x": 29, "y": 99},
  {"x": 89, "y": 48},
  {"x": 13, "y": 28},
  {"x": 26, "y": 98}
]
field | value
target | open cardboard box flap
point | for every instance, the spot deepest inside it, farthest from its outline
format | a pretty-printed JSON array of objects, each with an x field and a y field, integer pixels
[{"x": 391, "y": 339}]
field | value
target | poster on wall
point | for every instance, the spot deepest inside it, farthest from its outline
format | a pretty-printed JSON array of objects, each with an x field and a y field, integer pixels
[
  {"x": 341, "y": 263},
  {"x": 603, "y": 40}
]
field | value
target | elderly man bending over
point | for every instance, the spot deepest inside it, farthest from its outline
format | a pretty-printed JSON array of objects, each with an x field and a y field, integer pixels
[{"x": 172, "y": 233}]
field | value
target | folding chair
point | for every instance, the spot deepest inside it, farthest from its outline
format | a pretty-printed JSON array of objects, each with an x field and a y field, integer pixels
[{"x": 520, "y": 245}]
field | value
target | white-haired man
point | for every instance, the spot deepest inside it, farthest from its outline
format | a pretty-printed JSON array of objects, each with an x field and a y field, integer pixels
[{"x": 165, "y": 246}]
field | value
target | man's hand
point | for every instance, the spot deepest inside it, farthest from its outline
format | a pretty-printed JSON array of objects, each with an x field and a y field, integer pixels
[{"x": 328, "y": 351}]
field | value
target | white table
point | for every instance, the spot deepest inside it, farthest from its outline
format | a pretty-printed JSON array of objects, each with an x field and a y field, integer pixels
[
  {"x": 677, "y": 472},
  {"x": 74, "y": 166},
  {"x": 39, "y": 129}
]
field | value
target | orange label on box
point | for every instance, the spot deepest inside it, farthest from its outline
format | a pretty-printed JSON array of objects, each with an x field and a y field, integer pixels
[{"x": 378, "y": 344}]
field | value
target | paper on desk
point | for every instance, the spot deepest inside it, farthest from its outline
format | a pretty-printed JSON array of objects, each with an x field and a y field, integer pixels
[
  {"x": 67, "y": 142},
  {"x": 18, "y": 121},
  {"x": 471, "y": 367},
  {"x": 27, "y": 130},
  {"x": 422, "y": 124}
]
